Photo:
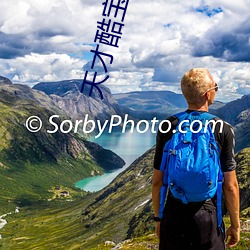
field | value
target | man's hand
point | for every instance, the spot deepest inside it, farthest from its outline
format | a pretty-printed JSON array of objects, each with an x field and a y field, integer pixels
[
  {"x": 157, "y": 228},
  {"x": 232, "y": 236}
]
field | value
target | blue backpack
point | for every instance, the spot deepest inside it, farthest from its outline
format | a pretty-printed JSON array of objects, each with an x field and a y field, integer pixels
[{"x": 191, "y": 162}]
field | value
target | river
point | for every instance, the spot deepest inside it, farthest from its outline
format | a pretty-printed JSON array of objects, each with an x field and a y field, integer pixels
[{"x": 128, "y": 146}]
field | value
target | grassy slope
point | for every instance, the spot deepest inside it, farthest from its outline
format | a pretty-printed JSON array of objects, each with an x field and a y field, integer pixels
[
  {"x": 243, "y": 176},
  {"x": 150, "y": 242},
  {"x": 31, "y": 164},
  {"x": 33, "y": 182},
  {"x": 56, "y": 225},
  {"x": 60, "y": 225}
]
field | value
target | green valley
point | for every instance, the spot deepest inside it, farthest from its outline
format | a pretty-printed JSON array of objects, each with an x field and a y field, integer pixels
[
  {"x": 32, "y": 163},
  {"x": 120, "y": 212}
]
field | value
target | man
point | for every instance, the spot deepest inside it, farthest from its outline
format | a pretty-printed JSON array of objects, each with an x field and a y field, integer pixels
[{"x": 194, "y": 225}]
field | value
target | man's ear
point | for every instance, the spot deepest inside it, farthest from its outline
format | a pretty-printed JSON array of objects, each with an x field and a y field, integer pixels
[{"x": 207, "y": 95}]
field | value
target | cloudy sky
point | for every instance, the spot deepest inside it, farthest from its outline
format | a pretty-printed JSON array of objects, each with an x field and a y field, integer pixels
[{"x": 51, "y": 40}]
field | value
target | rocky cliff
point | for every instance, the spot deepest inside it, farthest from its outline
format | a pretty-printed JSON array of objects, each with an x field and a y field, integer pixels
[{"x": 67, "y": 96}]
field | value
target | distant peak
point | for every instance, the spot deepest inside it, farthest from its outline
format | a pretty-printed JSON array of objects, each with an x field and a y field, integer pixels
[{"x": 4, "y": 80}]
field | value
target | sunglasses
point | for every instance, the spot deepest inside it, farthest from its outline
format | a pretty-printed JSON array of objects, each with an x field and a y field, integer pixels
[{"x": 216, "y": 87}]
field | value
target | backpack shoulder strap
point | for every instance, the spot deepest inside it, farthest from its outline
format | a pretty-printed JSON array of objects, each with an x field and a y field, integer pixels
[
  {"x": 182, "y": 115},
  {"x": 208, "y": 116}
]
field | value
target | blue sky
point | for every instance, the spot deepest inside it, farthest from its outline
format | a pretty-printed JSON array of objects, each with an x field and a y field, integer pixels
[{"x": 51, "y": 40}]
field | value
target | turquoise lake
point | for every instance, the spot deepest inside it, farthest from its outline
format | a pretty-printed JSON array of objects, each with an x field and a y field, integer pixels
[{"x": 129, "y": 146}]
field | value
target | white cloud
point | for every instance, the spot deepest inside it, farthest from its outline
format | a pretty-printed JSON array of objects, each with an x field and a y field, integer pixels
[
  {"x": 44, "y": 41},
  {"x": 130, "y": 81},
  {"x": 35, "y": 68}
]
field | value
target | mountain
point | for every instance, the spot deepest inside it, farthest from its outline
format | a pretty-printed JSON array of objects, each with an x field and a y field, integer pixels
[
  {"x": 216, "y": 105},
  {"x": 139, "y": 100},
  {"x": 32, "y": 163},
  {"x": 232, "y": 110},
  {"x": 243, "y": 175},
  {"x": 149, "y": 104},
  {"x": 138, "y": 105},
  {"x": 4, "y": 80},
  {"x": 242, "y": 130},
  {"x": 67, "y": 96},
  {"x": 33, "y": 166},
  {"x": 237, "y": 114}
]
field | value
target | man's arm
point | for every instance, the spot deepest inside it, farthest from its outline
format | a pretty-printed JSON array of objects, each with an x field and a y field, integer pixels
[
  {"x": 231, "y": 195},
  {"x": 156, "y": 187}
]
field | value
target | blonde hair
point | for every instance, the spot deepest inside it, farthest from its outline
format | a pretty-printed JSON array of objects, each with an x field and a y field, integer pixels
[{"x": 195, "y": 83}]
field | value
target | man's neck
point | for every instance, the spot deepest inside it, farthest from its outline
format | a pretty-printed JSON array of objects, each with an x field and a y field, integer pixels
[{"x": 198, "y": 107}]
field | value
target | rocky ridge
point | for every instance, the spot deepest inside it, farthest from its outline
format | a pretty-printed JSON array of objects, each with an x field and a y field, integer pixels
[
  {"x": 66, "y": 94},
  {"x": 4, "y": 80}
]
